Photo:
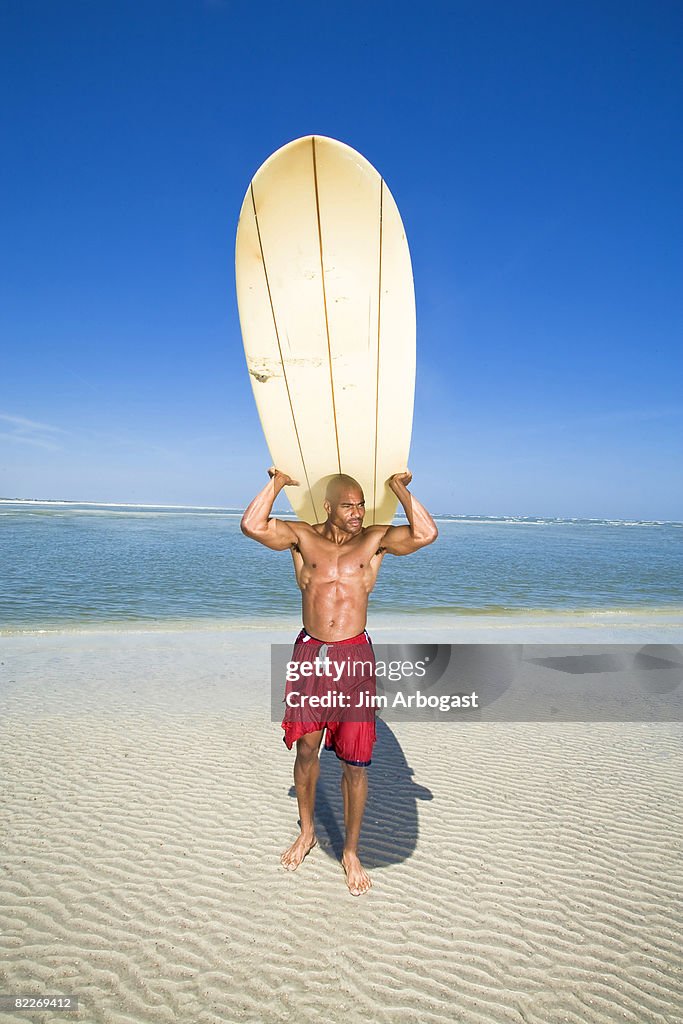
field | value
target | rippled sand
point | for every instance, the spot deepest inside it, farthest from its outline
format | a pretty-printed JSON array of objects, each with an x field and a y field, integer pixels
[{"x": 522, "y": 872}]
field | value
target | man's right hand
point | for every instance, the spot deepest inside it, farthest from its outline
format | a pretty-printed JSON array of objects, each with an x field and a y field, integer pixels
[
  {"x": 257, "y": 522},
  {"x": 281, "y": 479}
]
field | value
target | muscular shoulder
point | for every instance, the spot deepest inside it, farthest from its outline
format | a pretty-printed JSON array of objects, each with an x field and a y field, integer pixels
[
  {"x": 305, "y": 530},
  {"x": 302, "y": 532}
]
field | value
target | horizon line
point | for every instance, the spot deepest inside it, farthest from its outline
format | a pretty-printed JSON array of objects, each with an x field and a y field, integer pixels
[{"x": 442, "y": 516}]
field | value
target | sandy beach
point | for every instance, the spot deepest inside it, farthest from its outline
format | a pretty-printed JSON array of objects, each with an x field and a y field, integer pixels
[{"x": 523, "y": 872}]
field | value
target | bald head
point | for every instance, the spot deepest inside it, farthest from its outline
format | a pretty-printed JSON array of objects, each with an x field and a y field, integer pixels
[{"x": 339, "y": 483}]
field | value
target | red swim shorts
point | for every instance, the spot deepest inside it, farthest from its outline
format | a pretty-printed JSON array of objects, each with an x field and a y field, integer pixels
[{"x": 345, "y": 669}]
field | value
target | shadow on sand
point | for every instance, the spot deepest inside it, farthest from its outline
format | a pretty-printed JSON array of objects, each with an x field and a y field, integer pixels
[{"x": 657, "y": 668}]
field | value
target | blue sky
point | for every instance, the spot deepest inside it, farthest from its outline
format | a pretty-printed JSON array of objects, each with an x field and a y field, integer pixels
[{"x": 534, "y": 150}]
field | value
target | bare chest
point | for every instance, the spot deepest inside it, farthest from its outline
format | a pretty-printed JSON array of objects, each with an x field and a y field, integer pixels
[{"x": 325, "y": 563}]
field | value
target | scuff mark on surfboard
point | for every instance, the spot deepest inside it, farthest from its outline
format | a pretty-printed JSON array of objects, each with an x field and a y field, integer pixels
[
  {"x": 262, "y": 378},
  {"x": 264, "y": 370},
  {"x": 310, "y": 361}
]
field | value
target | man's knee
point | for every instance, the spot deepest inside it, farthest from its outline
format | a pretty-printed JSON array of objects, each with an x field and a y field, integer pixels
[
  {"x": 354, "y": 773},
  {"x": 307, "y": 747}
]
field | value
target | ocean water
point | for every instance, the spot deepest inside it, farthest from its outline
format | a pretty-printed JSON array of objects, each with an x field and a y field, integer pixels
[{"x": 71, "y": 565}]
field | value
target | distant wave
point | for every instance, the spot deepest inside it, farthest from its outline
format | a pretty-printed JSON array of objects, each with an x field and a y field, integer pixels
[
  {"x": 110, "y": 504},
  {"x": 94, "y": 508},
  {"x": 129, "y": 508},
  {"x": 550, "y": 521}
]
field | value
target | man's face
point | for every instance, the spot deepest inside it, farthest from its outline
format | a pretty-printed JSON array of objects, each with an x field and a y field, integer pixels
[{"x": 347, "y": 509}]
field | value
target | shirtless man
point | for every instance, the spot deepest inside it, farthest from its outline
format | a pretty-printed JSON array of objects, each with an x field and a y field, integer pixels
[{"x": 336, "y": 565}]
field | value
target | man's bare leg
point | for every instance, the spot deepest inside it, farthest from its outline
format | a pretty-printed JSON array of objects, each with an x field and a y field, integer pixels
[
  {"x": 354, "y": 784},
  {"x": 306, "y": 772}
]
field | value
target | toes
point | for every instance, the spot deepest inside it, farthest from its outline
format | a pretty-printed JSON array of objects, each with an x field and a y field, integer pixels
[
  {"x": 292, "y": 858},
  {"x": 358, "y": 884},
  {"x": 286, "y": 860}
]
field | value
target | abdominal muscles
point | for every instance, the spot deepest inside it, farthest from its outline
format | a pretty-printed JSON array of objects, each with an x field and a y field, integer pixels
[{"x": 335, "y": 609}]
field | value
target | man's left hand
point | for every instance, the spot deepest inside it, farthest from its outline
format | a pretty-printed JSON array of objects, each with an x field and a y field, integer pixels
[{"x": 399, "y": 480}]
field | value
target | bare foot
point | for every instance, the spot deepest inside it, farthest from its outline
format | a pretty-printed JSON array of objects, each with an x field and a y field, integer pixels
[
  {"x": 357, "y": 878},
  {"x": 292, "y": 857}
]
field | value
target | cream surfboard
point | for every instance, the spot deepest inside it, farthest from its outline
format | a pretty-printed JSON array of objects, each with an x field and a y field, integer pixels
[{"x": 327, "y": 310}]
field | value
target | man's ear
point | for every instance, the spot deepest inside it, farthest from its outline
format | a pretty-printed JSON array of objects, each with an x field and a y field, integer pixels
[{"x": 327, "y": 506}]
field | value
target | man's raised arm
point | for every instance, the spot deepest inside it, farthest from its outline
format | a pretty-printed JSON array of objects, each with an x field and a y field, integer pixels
[
  {"x": 403, "y": 540},
  {"x": 256, "y": 522}
]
